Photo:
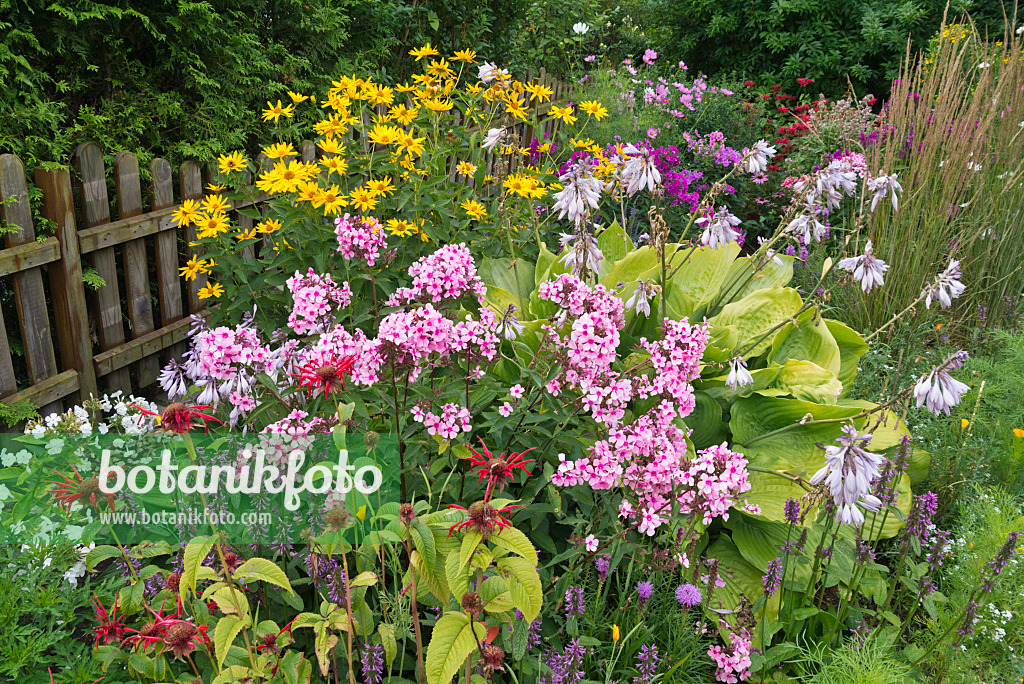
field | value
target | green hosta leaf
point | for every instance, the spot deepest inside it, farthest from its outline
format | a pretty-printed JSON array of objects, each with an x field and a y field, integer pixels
[
  {"x": 228, "y": 628},
  {"x": 741, "y": 579},
  {"x": 678, "y": 304},
  {"x": 851, "y": 347},
  {"x": 516, "y": 542},
  {"x": 499, "y": 300},
  {"x": 809, "y": 381},
  {"x": 808, "y": 340},
  {"x": 640, "y": 262},
  {"x": 741, "y": 280},
  {"x": 614, "y": 243},
  {"x": 726, "y": 396},
  {"x": 524, "y": 585},
  {"x": 756, "y": 314},
  {"x": 706, "y": 421},
  {"x": 702, "y": 271},
  {"x": 264, "y": 570},
  {"x": 195, "y": 552},
  {"x": 454, "y": 638},
  {"x": 547, "y": 266},
  {"x": 518, "y": 281}
]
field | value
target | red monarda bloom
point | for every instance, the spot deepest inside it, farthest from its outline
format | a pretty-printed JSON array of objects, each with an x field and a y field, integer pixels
[
  {"x": 178, "y": 417},
  {"x": 327, "y": 376},
  {"x": 497, "y": 471},
  {"x": 110, "y": 630},
  {"x": 182, "y": 638},
  {"x": 482, "y": 517},
  {"x": 79, "y": 489}
]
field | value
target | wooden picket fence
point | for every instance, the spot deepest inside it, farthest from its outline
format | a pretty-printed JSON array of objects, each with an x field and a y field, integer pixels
[{"x": 78, "y": 341}]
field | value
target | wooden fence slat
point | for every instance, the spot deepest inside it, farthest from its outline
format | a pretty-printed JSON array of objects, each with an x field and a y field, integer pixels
[
  {"x": 47, "y": 393},
  {"x": 8, "y": 385},
  {"x": 190, "y": 179},
  {"x": 69, "y": 307},
  {"x": 92, "y": 182},
  {"x": 136, "y": 261},
  {"x": 142, "y": 346},
  {"x": 168, "y": 279},
  {"x": 28, "y": 285},
  {"x": 24, "y": 257}
]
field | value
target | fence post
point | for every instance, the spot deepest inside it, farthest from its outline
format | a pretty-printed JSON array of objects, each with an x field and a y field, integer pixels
[
  {"x": 168, "y": 279},
  {"x": 68, "y": 290},
  {"x": 190, "y": 179},
  {"x": 136, "y": 262},
  {"x": 28, "y": 284},
  {"x": 88, "y": 160}
]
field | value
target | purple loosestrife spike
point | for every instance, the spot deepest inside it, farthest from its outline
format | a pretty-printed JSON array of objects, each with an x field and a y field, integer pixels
[
  {"x": 646, "y": 664},
  {"x": 791, "y": 511},
  {"x": 772, "y": 579}
]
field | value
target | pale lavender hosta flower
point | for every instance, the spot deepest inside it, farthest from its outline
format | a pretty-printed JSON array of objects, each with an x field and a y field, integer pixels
[
  {"x": 738, "y": 376},
  {"x": 492, "y": 138},
  {"x": 509, "y": 325},
  {"x": 755, "y": 159},
  {"x": 487, "y": 72},
  {"x": 848, "y": 471},
  {"x": 641, "y": 298},
  {"x": 885, "y": 185},
  {"x": 808, "y": 227},
  {"x": 946, "y": 287},
  {"x": 640, "y": 170},
  {"x": 581, "y": 191},
  {"x": 939, "y": 391},
  {"x": 172, "y": 380},
  {"x": 866, "y": 269},
  {"x": 582, "y": 253},
  {"x": 718, "y": 228}
]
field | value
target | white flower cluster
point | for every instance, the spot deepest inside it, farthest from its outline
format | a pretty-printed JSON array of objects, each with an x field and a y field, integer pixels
[
  {"x": 581, "y": 192},
  {"x": 110, "y": 413}
]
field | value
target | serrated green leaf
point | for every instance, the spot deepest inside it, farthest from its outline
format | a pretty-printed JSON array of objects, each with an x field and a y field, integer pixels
[
  {"x": 264, "y": 570},
  {"x": 454, "y": 638}
]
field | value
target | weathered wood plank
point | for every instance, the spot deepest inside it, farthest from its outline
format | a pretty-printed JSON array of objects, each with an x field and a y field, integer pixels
[
  {"x": 190, "y": 179},
  {"x": 70, "y": 314},
  {"x": 8, "y": 384},
  {"x": 29, "y": 296},
  {"x": 106, "y": 301},
  {"x": 29, "y": 255},
  {"x": 49, "y": 392},
  {"x": 113, "y": 359},
  {"x": 168, "y": 280},
  {"x": 124, "y": 230},
  {"x": 136, "y": 262}
]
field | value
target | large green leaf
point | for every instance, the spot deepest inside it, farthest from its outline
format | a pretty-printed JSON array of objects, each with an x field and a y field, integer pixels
[
  {"x": 454, "y": 638},
  {"x": 702, "y": 271},
  {"x": 742, "y": 280},
  {"x": 851, "y": 347},
  {"x": 614, "y": 244},
  {"x": 523, "y": 584},
  {"x": 725, "y": 395},
  {"x": 517, "y": 280},
  {"x": 808, "y": 339},
  {"x": 809, "y": 381},
  {"x": 706, "y": 421},
  {"x": 756, "y": 314},
  {"x": 639, "y": 262},
  {"x": 741, "y": 579}
]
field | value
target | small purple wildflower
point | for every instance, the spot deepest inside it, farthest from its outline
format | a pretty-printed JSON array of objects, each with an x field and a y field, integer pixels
[
  {"x": 688, "y": 595},
  {"x": 575, "y": 602},
  {"x": 772, "y": 579}
]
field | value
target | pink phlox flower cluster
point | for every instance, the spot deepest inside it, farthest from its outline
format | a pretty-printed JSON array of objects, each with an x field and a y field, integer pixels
[
  {"x": 714, "y": 481},
  {"x": 445, "y": 275},
  {"x": 359, "y": 238},
  {"x": 577, "y": 298},
  {"x": 313, "y": 297},
  {"x": 338, "y": 343},
  {"x": 675, "y": 360},
  {"x": 453, "y": 420},
  {"x": 713, "y": 145},
  {"x": 294, "y": 432},
  {"x": 733, "y": 663},
  {"x": 606, "y": 397},
  {"x": 476, "y": 340},
  {"x": 418, "y": 337}
]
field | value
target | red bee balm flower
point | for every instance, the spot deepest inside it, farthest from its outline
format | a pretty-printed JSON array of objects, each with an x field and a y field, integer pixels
[
  {"x": 109, "y": 630},
  {"x": 497, "y": 471},
  {"x": 178, "y": 418},
  {"x": 327, "y": 376},
  {"x": 79, "y": 489},
  {"x": 482, "y": 517}
]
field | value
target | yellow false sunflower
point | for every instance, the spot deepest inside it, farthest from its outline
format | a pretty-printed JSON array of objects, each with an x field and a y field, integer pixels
[
  {"x": 214, "y": 290},
  {"x": 333, "y": 125},
  {"x": 331, "y": 146},
  {"x": 381, "y": 186},
  {"x": 594, "y": 109},
  {"x": 250, "y": 234},
  {"x": 425, "y": 51},
  {"x": 475, "y": 209},
  {"x": 363, "y": 199},
  {"x": 216, "y": 204},
  {"x": 227, "y": 163},
  {"x": 563, "y": 113},
  {"x": 334, "y": 165},
  {"x": 211, "y": 225},
  {"x": 400, "y": 227},
  {"x": 385, "y": 135},
  {"x": 280, "y": 151},
  {"x": 273, "y": 112},
  {"x": 465, "y": 168},
  {"x": 268, "y": 226},
  {"x": 297, "y": 97},
  {"x": 402, "y": 114},
  {"x": 187, "y": 213},
  {"x": 464, "y": 56}
]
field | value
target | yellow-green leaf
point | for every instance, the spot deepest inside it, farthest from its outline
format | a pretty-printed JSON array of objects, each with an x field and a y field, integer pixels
[
  {"x": 264, "y": 570},
  {"x": 224, "y": 635},
  {"x": 454, "y": 638}
]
